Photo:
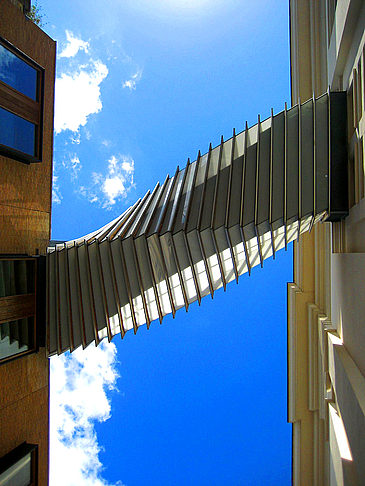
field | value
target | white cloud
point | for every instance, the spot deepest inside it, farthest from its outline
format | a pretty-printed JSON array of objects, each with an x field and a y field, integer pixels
[
  {"x": 132, "y": 82},
  {"x": 113, "y": 185},
  {"x": 56, "y": 191},
  {"x": 76, "y": 139},
  {"x": 73, "y": 166},
  {"x": 78, "y": 96},
  {"x": 128, "y": 166},
  {"x": 87, "y": 134},
  {"x": 78, "y": 398},
  {"x": 73, "y": 46}
]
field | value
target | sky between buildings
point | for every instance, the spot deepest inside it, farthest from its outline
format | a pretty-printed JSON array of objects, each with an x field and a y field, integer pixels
[{"x": 201, "y": 399}]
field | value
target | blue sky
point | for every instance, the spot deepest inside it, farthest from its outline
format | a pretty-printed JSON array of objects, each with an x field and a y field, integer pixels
[{"x": 199, "y": 400}]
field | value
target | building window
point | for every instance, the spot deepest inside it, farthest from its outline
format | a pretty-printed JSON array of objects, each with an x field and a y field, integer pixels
[
  {"x": 21, "y": 88},
  {"x": 20, "y": 466},
  {"x": 17, "y": 307}
]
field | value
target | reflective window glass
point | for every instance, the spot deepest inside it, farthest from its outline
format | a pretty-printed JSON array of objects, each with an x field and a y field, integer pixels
[
  {"x": 19, "y": 467},
  {"x": 16, "y": 277},
  {"x": 17, "y": 133},
  {"x": 17, "y": 307},
  {"x": 19, "y": 474},
  {"x": 17, "y": 73},
  {"x": 16, "y": 337}
]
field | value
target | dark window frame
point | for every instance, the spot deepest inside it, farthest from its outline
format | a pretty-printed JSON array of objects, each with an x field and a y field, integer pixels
[
  {"x": 36, "y": 297},
  {"x": 12, "y": 457},
  {"x": 24, "y": 107}
]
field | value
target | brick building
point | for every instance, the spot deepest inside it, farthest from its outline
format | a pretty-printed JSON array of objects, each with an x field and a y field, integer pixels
[{"x": 27, "y": 73}]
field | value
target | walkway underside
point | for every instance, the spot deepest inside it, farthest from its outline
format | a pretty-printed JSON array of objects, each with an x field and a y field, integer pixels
[{"x": 203, "y": 227}]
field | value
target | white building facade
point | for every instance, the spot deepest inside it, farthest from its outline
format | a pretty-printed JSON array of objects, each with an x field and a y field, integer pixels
[{"x": 326, "y": 301}]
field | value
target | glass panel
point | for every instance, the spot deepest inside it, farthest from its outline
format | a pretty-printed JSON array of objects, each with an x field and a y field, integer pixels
[
  {"x": 17, "y": 73},
  {"x": 16, "y": 277},
  {"x": 19, "y": 474},
  {"x": 188, "y": 189},
  {"x": 214, "y": 159},
  {"x": 292, "y": 171},
  {"x": 17, "y": 133},
  {"x": 16, "y": 337},
  {"x": 227, "y": 154},
  {"x": 7, "y": 278},
  {"x": 197, "y": 193},
  {"x": 239, "y": 145}
]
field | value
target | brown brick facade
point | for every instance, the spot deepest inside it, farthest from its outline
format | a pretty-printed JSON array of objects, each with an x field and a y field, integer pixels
[{"x": 25, "y": 225}]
